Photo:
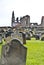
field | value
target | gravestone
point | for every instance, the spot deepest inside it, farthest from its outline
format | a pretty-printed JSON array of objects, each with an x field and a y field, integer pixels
[
  {"x": 18, "y": 36},
  {"x": 42, "y": 36},
  {"x": 37, "y": 37},
  {"x": 8, "y": 33},
  {"x": 14, "y": 53},
  {"x": 23, "y": 37},
  {"x": 14, "y": 35},
  {"x": 28, "y": 37}
]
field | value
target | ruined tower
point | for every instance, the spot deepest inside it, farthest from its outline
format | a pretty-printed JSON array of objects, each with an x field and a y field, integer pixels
[
  {"x": 42, "y": 21},
  {"x": 13, "y": 19}
]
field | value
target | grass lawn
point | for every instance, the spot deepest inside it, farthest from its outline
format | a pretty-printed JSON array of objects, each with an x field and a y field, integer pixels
[
  {"x": 35, "y": 52},
  {"x": 3, "y": 43}
]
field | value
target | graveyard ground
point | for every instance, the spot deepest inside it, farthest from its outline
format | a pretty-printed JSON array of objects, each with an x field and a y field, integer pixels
[{"x": 35, "y": 52}]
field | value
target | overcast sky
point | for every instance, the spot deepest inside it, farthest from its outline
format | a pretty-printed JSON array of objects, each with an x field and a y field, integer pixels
[{"x": 34, "y": 8}]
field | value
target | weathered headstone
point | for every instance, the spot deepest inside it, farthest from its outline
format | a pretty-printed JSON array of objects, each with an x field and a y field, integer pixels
[
  {"x": 28, "y": 37},
  {"x": 37, "y": 37},
  {"x": 42, "y": 36},
  {"x": 18, "y": 36},
  {"x": 14, "y": 35},
  {"x": 14, "y": 53},
  {"x": 23, "y": 37}
]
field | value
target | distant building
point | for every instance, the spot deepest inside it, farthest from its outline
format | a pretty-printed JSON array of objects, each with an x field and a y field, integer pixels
[
  {"x": 33, "y": 24},
  {"x": 42, "y": 21},
  {"x": 25, "y": 21}
]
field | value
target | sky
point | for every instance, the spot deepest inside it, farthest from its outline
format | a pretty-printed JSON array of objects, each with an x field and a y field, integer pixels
[{"x": 33, "y": 8}]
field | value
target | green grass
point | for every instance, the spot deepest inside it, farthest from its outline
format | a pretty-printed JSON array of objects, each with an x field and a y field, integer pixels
[
  {"x": 35, "y": 52},
  {"x": 3, "y": 43}
]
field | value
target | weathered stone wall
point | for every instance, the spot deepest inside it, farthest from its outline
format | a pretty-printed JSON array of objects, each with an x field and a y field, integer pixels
[{"x": 25, "y": 21}]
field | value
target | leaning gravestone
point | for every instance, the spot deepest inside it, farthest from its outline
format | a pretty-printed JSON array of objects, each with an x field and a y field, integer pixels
[
  {"x": 23, "y": 37},
  {"x": 14, "y": 53}
]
